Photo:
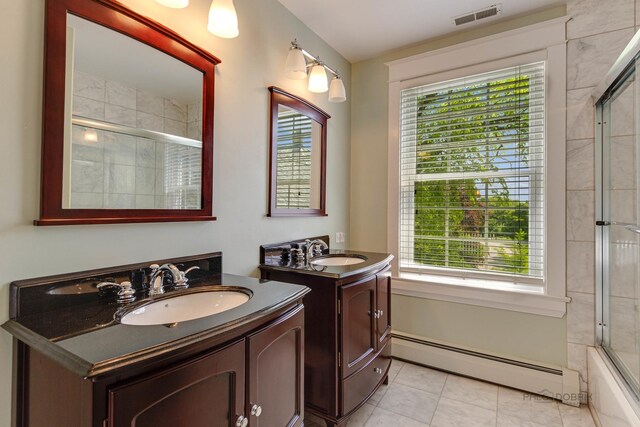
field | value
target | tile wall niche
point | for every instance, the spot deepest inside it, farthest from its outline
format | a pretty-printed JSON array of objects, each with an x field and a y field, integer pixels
[
  {"x": 597, "y": 33},
  {"x": 120, "y": 171}
]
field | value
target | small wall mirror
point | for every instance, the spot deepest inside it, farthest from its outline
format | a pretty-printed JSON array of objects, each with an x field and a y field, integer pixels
[
  {"x": 298, "y": 152},
  {"x": 127, "y": 120}
]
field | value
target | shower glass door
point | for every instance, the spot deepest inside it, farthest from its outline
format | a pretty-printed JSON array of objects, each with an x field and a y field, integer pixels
[{"x": 619, "y": 227}]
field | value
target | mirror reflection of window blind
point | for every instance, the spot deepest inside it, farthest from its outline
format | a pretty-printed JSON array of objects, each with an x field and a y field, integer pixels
[
  {"x": 293, "y": 165},
  {"x": 472, "y": 159},
  {"x": 182, "y": 176}
]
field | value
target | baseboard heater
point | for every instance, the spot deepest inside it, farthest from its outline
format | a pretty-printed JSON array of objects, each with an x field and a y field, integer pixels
[{"x": 555, "y": 382}]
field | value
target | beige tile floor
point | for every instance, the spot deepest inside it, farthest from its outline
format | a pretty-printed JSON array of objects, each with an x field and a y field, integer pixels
[{"x": 421, "y": 397}]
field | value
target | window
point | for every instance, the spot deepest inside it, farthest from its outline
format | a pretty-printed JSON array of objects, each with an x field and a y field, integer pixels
[
  {"x": 472, "y": 175},
  {"x": 182, "y": 181},
  {"x": 476, "y": 182}
]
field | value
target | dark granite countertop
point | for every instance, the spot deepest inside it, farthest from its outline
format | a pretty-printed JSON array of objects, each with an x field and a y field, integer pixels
[
  {"x": 84, "y": 337},
  {"x": 372, "y": 261}
]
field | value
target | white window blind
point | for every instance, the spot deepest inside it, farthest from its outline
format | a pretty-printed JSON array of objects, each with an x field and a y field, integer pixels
[
  {"x": 182, "y": 176},
  {"x": 472, "y": 171},
  {"x": 294, "y": 163}
]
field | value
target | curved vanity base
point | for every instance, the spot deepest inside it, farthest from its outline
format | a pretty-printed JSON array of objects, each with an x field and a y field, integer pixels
[
  {"x": 358, "y": 388},
  {"x": 348, "y": 328}
]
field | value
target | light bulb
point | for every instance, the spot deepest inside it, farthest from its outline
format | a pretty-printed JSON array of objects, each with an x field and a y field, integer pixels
[
  {"x": 318, "y": 79},
  {"x": 176, "y": 4},
  {"x": 223, "y": 21},
  {"x": 90, "y": 135},
  {"x": 337, "y": 92},
  {"x": 296, "y": 65}
]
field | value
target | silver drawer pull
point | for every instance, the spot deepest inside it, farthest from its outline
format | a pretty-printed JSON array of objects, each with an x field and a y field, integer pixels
[
  {"x": 256, "y": 410},
  {"x": 242, "y": 421},
  {"x": 377, "y": 370}
]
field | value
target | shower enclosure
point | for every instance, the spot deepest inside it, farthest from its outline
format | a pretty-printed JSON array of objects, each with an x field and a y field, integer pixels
[{"x": 618, "y": 222}]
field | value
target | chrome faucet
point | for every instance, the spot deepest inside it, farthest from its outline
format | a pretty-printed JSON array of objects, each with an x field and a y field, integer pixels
[
  {"x": 156, "y": 279},
  {"x": 315, "y": 247}
]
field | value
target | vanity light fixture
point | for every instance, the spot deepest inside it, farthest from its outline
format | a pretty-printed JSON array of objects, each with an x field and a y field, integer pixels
[
  {"x": 337, "y": 92},
  {"x": 318, "y": 79},
  {"x": 175, "y": 4},
  {"x": 223, "y": 20},
  {"x": 296, "y": 68}
]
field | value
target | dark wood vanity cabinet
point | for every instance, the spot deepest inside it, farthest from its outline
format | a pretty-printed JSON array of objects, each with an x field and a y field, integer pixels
[
  {"x": 383, "y": 299},
  {"x": 358, "y": 308},
  {"x": 208, "y": 391},
  {"x": 348, "y": 326},
  {"x": 275, "y": 359},
  {"x": 257, "y": 376}
]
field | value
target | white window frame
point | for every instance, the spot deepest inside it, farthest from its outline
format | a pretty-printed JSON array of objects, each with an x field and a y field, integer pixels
[{"x": 545, "y": 41}]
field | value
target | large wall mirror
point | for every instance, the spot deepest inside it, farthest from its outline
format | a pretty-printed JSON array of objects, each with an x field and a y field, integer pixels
[
  {"x": 128, "y": 119},
  {"x": 298, "y": 153}
]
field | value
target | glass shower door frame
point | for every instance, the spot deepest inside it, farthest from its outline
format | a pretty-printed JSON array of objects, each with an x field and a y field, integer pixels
[{"x": 604, "y": 227}]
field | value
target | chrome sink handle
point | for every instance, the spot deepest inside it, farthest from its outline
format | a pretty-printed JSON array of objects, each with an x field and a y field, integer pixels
[
  {"x": 126, "y": 293},
  {"x": 182, "y": 281}
]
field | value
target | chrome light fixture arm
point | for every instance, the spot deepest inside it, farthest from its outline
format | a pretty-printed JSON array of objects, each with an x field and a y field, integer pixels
[{"x": 314, "y": 60}]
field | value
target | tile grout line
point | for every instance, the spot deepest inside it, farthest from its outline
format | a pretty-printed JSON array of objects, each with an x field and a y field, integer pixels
[
  {"x": 569, "y": 39},
  {"x": 497, "y": 402},
  {"x": 439, "y": 399}
]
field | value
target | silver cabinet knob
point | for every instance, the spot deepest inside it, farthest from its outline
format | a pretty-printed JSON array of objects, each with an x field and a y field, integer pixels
[
  {"x": 242, "y": 421},
  {"x": 380, "y": 313},
  {"x": 256, "y": 410},
  {"x": 377, "y": 370}
]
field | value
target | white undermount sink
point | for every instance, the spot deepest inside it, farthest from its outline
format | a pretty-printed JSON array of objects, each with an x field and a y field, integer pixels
[
  {"x": 181, "y": 308},
  {"x": 337, "y": 260}
]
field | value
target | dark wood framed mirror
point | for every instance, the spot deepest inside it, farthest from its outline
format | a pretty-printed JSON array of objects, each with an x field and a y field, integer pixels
[
  {"x": 297, "y": 156},
  {"x": 127, "y": 119}
]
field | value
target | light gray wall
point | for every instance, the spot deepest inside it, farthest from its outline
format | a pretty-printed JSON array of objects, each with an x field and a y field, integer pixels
[
  {"x": 250, "y": 63},
  {"x": 521, "y": 335},
  {"x": 508, "y": 333}
]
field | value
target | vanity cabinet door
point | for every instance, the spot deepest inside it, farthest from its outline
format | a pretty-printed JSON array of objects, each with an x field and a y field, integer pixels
[
  {"x": 275, "y": 395},
  {"x": 358, "y": 302},
  {"x": 383, "y": 296},
  {"x": 205, "y": 392}
]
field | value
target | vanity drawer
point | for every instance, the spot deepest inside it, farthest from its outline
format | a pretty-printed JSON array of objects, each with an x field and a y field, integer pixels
[{"x": 359, "y": 386}]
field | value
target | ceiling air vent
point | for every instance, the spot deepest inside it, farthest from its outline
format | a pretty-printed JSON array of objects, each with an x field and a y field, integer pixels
[
  {"x": 487, "y": 12},
  {"x": 465, "y": 19}
]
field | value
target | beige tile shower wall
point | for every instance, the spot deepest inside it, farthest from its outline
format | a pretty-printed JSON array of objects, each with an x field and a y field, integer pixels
[{"x": 597, "y": 32}]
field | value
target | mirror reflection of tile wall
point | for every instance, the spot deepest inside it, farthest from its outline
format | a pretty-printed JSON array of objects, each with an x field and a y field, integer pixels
[{"x": 118, "y": 171}]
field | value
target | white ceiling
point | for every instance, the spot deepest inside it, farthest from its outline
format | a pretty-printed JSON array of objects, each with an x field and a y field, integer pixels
[{"x": 361, "y": 29}]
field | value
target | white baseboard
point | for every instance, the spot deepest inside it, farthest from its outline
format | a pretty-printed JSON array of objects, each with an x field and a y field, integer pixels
[{"x": 556, "y": 382}]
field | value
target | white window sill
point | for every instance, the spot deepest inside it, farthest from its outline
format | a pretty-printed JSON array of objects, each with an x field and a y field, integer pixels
[{"x": 493, "y": 294}]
